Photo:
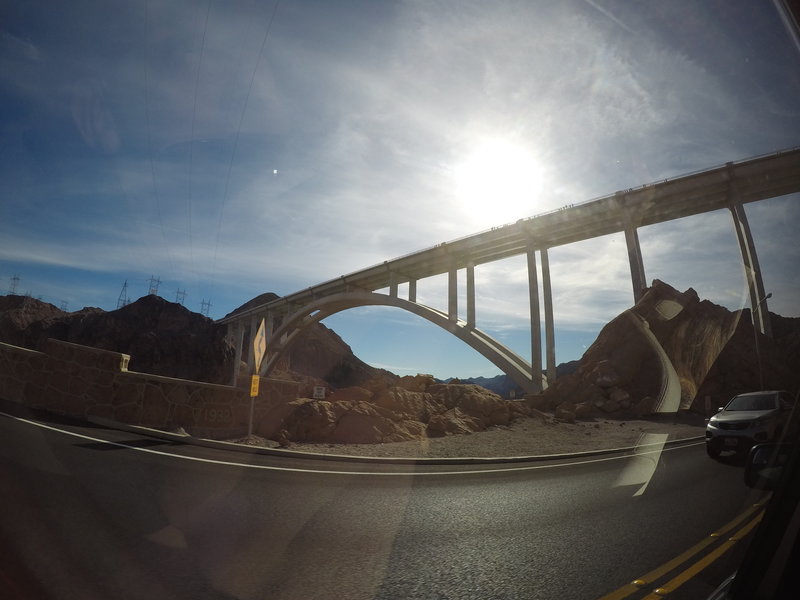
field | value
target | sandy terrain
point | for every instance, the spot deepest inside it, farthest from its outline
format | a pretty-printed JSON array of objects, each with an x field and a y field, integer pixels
[{"x": 525, "y": 437}]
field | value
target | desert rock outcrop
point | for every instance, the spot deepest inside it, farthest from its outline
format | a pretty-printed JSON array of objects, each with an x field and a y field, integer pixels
[
  {"x": 378, "y": 412},
  {"x": 673, "y": 340}
]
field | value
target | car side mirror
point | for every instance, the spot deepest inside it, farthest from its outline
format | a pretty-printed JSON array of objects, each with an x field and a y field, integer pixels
[
  {"x": 720, "y": 409},
  {"x": 764, "y": 465}
]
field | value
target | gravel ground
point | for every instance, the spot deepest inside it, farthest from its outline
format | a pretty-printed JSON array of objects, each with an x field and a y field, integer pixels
[{"x": 524, "y": 437}]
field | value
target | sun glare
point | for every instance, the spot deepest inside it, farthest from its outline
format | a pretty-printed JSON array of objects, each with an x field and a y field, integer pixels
[{"x": 498, "y": 182}]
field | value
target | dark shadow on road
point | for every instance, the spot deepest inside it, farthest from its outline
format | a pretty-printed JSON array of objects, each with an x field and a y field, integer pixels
[
  {"x": 36, "y": 414},
  {"x": 732, "y": 459},
  {"x": 127, "y": 444}
]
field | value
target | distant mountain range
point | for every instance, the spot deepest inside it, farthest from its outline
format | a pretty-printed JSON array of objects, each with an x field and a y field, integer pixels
[{"x": 504, "y": 386}]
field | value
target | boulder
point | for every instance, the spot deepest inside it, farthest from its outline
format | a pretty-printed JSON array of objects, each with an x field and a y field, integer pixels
[
  {"x": 416, "y": 383},
  {"x": 565, "y": 412},
  {"x": 452, "y": 422},
  {"x": 351, "y": 394},
  {"x": 407, "y": 404}
]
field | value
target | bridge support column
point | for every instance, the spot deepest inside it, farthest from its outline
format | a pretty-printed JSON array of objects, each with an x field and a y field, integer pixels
[
  {"x": 638, "y": 279},
  {"x": 452, "y": 294},
  {"x": 251, "y": 361},
  {"x": 238, "y": 341},
  {"x": 549, "y": 329},
  {"x": 536, "y": 326},
  {"x": 412, "y": 290},
  {"x": 752, "y": 271},
  {"x": 393, "y": 284},
  {"x": 269, "y": 326},
  {"x": 471, "y": 295}
]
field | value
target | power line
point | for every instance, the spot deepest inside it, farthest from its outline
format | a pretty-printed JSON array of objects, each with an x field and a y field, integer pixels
[
  {"x": 156, "y": 196},
  {"x": 191, "y": 135},
  {"x": 238, "y": 132}
]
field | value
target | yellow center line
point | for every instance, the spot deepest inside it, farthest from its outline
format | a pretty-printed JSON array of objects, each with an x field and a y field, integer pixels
[
  {"x": 658, "y": 572},
  {"x": 701, "y": 564}
]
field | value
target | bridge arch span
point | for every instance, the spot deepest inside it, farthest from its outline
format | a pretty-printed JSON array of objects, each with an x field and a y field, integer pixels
[{"x": 294, "y": 324}]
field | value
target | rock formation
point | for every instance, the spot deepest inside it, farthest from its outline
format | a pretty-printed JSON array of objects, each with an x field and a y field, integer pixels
[
  {"x": 669, "y": 352},
  {"x": 413, "y": 409}
]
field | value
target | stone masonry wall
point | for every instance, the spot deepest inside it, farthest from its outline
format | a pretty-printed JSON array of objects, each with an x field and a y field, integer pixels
[{"x": 87, "y": 382}]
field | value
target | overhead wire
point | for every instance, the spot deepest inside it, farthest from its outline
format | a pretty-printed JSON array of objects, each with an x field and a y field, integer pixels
[
  {"x": 192, "y": 140},
  {"x": 237, "y": 135},
  {"x": 149, "y": 135}
]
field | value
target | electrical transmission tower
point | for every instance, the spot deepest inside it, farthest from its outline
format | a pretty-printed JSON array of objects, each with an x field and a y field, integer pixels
[
  {"x": 123, "y": 299},
  {"x": 154, "y": 283},
  {"x": 205, "y": 306},
  {"x": 64, "y": 305},
  {"x": 180, "y": 296},
  {"x": 12, "y": 288}
]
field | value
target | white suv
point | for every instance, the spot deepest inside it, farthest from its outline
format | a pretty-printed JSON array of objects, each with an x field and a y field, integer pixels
[{"x": 746, "y": 420}]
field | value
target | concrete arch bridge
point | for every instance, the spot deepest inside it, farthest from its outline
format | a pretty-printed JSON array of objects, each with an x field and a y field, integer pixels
[{"x": 730, "y": 187}]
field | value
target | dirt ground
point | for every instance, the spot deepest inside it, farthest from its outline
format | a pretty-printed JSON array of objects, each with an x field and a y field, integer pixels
[{"x": 525, "y": 437}]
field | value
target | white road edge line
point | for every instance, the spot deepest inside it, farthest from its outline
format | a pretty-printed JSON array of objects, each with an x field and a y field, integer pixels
[{"x": 322, "y": 472}]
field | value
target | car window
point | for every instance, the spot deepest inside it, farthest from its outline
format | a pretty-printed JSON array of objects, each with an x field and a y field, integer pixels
[{"x": 750, "y": 402}]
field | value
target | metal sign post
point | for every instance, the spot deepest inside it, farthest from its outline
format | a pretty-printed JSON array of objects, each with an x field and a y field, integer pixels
[{"x": 259, "y": 348}]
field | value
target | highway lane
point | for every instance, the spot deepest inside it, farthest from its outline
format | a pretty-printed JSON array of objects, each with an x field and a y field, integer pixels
[{"x": 87, "y": 519}]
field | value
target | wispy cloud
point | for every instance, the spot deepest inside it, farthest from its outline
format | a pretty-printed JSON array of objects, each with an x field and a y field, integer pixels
[{"x": 136, "y": 142}]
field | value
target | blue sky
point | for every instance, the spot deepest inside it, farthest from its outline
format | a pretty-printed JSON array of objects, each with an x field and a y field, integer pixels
[{"x": 235, "y": 148}]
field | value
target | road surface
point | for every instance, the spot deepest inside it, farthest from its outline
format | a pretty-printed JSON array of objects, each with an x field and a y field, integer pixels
[{"x": 91, "y": 512}]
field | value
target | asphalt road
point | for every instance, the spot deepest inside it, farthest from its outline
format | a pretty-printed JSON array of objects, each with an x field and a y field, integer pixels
[{"x": 148, "y": 518}]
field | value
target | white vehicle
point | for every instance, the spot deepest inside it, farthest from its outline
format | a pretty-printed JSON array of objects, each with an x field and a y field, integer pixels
[{"x": 746, "y": 420}]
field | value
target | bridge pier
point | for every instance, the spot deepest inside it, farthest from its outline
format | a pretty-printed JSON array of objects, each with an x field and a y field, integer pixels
[
  {"x": 752, "y": 272},
  {"x": 471, "y": 295},
  {"x": 536, "y": 324},
  {"x": 638, "y": 279},
  {"x": 452, "y": 293},
  {"x": 549, "y": 328},
  {"x": 251, "y": 361},
  {"x": 237, "y": 335}
]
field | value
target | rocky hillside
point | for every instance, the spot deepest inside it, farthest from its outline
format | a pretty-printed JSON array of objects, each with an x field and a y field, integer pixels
[
  {"x": 165, "y": 338},
  {"x": 674, "y": 349}
]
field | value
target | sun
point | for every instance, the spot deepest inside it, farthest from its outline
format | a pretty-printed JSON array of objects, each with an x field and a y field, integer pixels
[{"x": 498, "y": 182}]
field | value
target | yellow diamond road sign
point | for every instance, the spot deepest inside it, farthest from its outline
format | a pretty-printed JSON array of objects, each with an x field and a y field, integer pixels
[{"x": 260, "y": 345}]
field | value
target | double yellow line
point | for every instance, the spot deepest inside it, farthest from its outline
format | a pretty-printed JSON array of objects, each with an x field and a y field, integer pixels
[{"x": 693, "y": 569}]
